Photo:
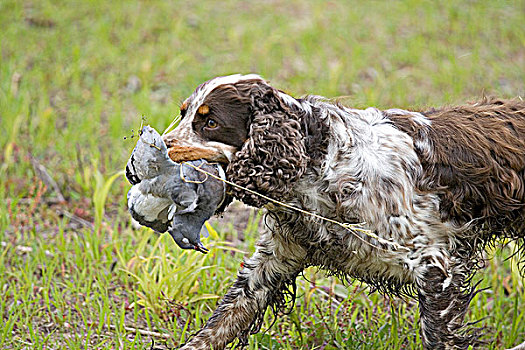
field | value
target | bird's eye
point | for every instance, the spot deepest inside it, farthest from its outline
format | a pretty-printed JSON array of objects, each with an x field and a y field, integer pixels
[{"x": 212, "y": 124}]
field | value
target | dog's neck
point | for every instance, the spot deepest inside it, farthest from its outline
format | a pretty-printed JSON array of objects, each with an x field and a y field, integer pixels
[{"x": 313, "y": 125}]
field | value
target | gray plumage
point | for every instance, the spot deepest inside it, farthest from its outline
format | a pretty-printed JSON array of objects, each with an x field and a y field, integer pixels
[{"x": 163, "y": 200}]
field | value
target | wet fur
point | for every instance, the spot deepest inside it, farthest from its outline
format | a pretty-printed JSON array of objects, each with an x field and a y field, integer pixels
[{"x": 443, "y": 184}]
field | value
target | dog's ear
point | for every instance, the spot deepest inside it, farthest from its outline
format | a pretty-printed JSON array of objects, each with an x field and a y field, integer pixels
[{"x": 274, "y": 156}]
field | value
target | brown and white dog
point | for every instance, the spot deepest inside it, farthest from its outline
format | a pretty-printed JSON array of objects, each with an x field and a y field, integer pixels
[{"x": 433, "y": 187}]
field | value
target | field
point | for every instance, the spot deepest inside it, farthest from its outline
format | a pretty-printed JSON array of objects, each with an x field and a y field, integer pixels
[{"x": 77, "y": 78}]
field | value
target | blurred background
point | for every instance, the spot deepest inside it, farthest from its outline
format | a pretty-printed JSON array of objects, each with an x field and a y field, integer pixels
[{"x": 77, "y": 78}]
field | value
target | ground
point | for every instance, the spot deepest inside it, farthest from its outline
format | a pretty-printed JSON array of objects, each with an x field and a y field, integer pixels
[{"x": 77, "y": 78}]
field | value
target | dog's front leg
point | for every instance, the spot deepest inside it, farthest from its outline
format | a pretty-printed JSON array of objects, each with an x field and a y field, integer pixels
[
  {"x": 260, "y": 283},
  {"x": 444, "y": 296}
]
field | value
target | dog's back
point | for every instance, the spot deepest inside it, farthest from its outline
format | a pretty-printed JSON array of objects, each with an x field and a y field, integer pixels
[{"x": 474, "y": 157}]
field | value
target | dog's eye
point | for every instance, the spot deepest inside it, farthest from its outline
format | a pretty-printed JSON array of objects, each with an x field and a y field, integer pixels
[{"x": 212, "y": 124}]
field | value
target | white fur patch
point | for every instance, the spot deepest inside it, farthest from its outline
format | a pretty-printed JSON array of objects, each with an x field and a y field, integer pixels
[
  {"x": 447, "y": 282},
  {"x": 416, "y": 116},
  {"x": 214, "y": 83},
  {"x": 421, "y": 119}
]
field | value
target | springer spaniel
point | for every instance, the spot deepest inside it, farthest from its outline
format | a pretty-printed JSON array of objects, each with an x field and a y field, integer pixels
[{"x": 432, "y": 189}]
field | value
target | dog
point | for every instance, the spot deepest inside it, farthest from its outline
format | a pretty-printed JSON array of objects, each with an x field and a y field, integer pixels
[{"x": 404, "y": 201}]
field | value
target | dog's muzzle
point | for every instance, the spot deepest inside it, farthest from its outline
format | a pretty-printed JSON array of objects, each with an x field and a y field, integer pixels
[{"x": 185, "y": 146}]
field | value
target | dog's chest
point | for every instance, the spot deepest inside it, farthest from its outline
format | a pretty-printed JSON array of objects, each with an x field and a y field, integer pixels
[{"x": 396, "y": 213}]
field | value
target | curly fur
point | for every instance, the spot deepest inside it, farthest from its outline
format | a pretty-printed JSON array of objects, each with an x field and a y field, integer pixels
[
  {"x": 274, "y": 156},
  {"x": 442, "y": 184}
]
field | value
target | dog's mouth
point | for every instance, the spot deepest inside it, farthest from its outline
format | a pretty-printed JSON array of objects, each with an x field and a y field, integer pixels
[
  {"x": 181, "y": 154},
  {"x": 184, "y": 144},
  {"x": 213, "y": 152}
]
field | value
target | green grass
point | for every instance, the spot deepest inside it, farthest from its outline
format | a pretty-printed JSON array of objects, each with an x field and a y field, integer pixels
[{"x": 74, "y": 274}]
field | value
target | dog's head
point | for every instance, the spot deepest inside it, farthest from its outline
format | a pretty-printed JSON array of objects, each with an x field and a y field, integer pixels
[{"x": 253, "y": 128}]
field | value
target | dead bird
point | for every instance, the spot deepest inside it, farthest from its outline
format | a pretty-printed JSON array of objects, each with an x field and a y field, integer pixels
[{"x": 168, "y": 196}]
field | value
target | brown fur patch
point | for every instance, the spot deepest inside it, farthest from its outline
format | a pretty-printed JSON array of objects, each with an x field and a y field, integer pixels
[
  {"x": 203, "y": 109},
  {"x": 474, "y": 156},
  {"x": 230, "y": 109},
  {"x": 179, "y": 154}
]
